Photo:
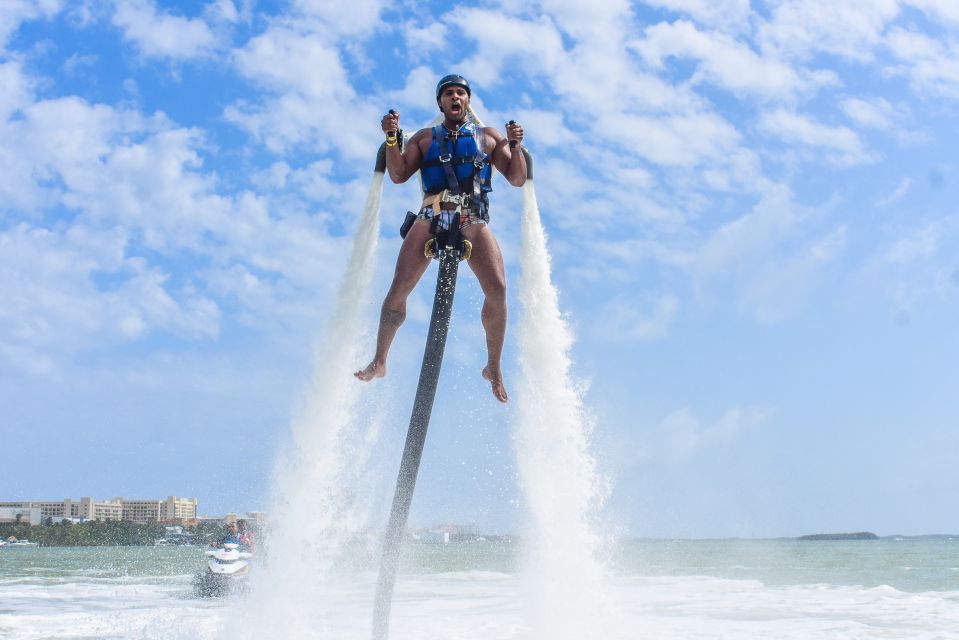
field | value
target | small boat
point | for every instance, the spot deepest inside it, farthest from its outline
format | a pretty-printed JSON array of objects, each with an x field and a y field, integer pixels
[
  {"x": 175, "y": 537},
  {"x": 12, "y": 543}
]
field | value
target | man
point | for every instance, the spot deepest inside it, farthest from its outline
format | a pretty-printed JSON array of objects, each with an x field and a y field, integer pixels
[
  {"x": 454, "y": 159},
  {"x": 230, "y": 536}
]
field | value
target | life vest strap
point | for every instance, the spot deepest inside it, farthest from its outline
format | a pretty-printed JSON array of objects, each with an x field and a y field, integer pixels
[{"x": 445, "y": 158}]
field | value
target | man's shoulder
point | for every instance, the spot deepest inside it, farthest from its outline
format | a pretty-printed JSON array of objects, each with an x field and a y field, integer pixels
[{"x": 421, "y": 136}]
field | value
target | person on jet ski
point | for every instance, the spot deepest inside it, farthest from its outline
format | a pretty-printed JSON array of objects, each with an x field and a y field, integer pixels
[{"x": 230, "y": 536}]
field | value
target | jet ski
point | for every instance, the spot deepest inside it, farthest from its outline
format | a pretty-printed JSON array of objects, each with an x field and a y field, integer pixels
[{"x": 227, "y": 572}]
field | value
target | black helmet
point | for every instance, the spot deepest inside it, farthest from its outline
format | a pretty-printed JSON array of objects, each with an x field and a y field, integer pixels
[{"x": 452, "y": 80}]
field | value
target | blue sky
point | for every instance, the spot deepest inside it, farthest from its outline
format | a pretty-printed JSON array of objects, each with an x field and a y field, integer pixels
[{"x": 751, "y": 208}]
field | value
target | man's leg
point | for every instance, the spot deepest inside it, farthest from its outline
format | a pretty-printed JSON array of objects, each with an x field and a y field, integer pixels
[
  {"x": 410, "y": 265},
  {"x": 486, "y": 262}
]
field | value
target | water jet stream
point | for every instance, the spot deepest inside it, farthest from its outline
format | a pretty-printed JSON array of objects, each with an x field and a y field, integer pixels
[
  {"x": 557, "y": 471},
  {"x": 315, "y": 511}
]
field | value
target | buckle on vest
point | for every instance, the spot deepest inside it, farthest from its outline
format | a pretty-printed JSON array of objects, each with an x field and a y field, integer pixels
[
  {"x": 445, "y": 157},
  {"x": 461, "y": 199}
]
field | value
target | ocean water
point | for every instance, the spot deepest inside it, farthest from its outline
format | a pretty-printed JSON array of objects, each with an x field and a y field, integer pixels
[{"x": 655, "y": 589}]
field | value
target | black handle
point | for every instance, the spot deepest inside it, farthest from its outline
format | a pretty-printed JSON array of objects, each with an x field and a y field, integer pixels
[
  {"x": 512, "y": 143},
  {"x": 392, "y": 135}
]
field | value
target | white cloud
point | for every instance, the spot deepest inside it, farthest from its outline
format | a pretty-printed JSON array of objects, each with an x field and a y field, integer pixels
[
  {"x": 595, "y": 23},
  {"x": 932, "y": 66},
  {"x": 916, "y": 262},
  {"x": 534, "y": 45},
  {"x": 877, "y": 113},
  {"x": 315, "y": 102},
  {"x": 226, "y": 11},
  {"x": 606, "y": 95},
  {"x": 119, "y": 165},
  {"x": 547, "y": 128},
  {"x": 75, "y": 63},
  {"x": 417, "y": 93},
  {"x": 338, "y": 19},
  {"x": 16, "y": 89},
  {"x": 53, "y": 305},
  {"x": 947, "y": 10},
  {"x": 734, "y": 246},
  {"x": 897, "y": 194},
  {"x": 841, "y": 145},
  {"x": 13, "y": 13},
  {"x": 625, "y": 319},
  {"x": 725, "y": 14},
  {"x": 135, "y": 240},
  {"x": 682, "y": 436},
  {"x": 918, "y": 245},
  {"x": 727, "y": 62},
  {"x": 851, "y": 29},
  {"x": 423, "y": 40},
  {"x": 681, "y": 140},
  {"x": 69, "y": 152},
  {"x": 768, "y": 260},
  {"x": 775, "y": 292},
  {"x": 160, "y": 34}
]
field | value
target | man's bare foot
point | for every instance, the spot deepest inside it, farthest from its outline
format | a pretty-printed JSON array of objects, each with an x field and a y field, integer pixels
[
  {"x": 496, "y": 381},
  {"x": 372, "y": 370}
]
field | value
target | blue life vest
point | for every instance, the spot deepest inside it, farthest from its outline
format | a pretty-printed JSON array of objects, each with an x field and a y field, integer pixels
[{"x": 463, "y": 156}]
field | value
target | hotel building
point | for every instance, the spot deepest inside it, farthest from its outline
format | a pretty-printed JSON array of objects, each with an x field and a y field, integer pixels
[{"x": 173, "y": 508}]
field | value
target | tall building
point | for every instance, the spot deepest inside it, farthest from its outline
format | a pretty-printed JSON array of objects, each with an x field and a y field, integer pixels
[
  {"x": 175, "y": 508},
  {"x": 141, "y": 510},
  {"x": 110, "y": 510},
  {"x": 172, "y": 508}
]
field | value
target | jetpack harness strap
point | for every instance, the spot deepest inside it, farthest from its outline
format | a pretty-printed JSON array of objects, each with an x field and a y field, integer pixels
[
  {"x": 449, "y": 241},
  {"x": 480, "y": 160}
]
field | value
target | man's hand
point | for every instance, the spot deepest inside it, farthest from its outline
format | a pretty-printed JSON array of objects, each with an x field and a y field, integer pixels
[
  {"x": 391, "y": 123},
  {"x": 514, "y": 133}
]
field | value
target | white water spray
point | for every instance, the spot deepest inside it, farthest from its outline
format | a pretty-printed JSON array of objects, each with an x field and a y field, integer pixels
[
  {"x": 315, "y": 510},
  {"x": 557, "y": 473}
]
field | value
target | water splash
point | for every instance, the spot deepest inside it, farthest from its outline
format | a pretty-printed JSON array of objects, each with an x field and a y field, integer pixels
[
  {"x": 316, "y": 511},
  {"x": 557, "y": 472}
]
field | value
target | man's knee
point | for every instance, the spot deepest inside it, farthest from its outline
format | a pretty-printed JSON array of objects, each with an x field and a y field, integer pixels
[
  {"x": 396, "y": 298},
  {"x": 495, "y": 290}
]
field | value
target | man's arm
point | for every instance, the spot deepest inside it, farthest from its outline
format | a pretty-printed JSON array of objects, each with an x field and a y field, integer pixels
[
  {"x": 511, "y": 162},
  {"x": 402, "y": 165}
]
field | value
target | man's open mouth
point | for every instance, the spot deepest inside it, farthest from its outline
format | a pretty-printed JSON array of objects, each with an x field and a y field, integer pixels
[{"x": 455, "y": 107}]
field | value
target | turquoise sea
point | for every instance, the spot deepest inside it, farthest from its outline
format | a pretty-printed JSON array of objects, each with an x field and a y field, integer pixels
[{"x": 654, "y": 589}]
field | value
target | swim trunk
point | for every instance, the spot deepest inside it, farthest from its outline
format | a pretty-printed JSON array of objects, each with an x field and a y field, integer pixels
[{"x": 439, "y": 209}]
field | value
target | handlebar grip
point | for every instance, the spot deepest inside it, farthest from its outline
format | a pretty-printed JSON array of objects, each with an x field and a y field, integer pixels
[{"x": 392, "y": 135}]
